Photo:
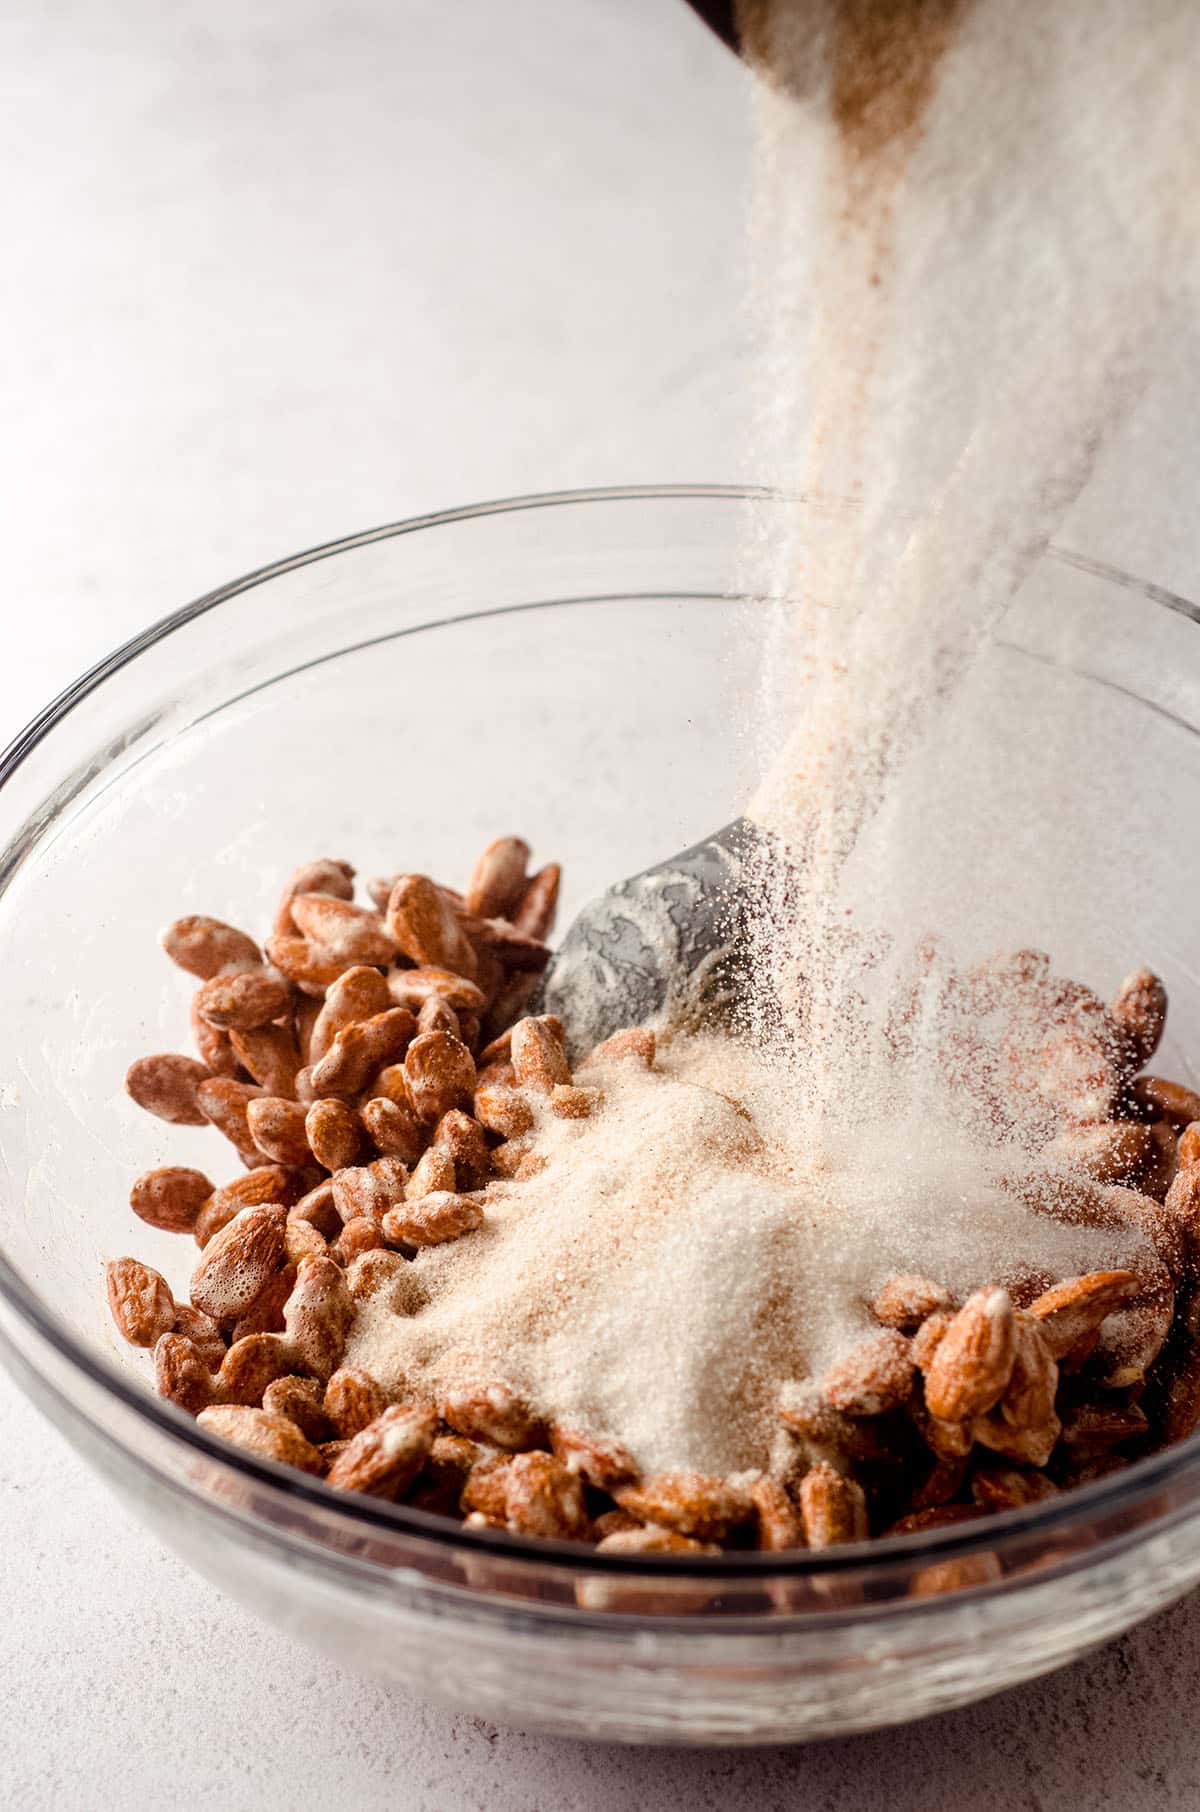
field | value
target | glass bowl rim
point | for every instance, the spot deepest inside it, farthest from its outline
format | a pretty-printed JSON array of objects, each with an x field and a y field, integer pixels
[{"x": 1120, "y": 1490}]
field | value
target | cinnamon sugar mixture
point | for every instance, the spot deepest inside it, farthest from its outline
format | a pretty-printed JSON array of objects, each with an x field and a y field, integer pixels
[
  {"x": 940, "y": 245},
  {"x": 933, "y": 246},
  {"x": 678, "y": 1259}
]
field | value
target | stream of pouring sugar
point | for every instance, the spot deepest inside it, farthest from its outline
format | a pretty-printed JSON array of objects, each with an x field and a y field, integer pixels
[{"x": 974, "y": 234}]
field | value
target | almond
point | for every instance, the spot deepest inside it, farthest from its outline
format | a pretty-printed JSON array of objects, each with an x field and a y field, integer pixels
[
  {"x": 1072, "y": 1310},
  {"x": 387, "y": 1273},
  {"x": 277, "y": 1127},
  {"x": 140, "y": 1299},
  {"x": 359, "y": 1236},
  {"x": 353, "y": 1400},
  {"x": 317, "y": 1316},
  {"x": 180, "y": 1373},
  {"x": 216, "y": 1053},
  {"x": 168, "y": 1086},
  {"x": 498, "y": 879},
  {"x": 493, "y": 1412},
  {"x": 1167, "y": 1100},
  {"x": 538, "y": 1056},
  {"x": 224, "y": 1103},
  {"x": 369, "y": 1189},
  {"x": 352, "y": 934},
  {"x": 270, "y": 1055},
  {"x": 439, "y": 1073},
  {"x": 567, "y": 1102},
  {"x": 359, "y": 993},
  {"x": 875, "y": 1377},
  {"x": 334, "y": 1133},
  {"x": 434, "y": 1219},
  {"x": 633, "y": 1043},
  {"x": 691, "y": 1503},
  {"x": 386, "y": 1456},
  {"x": 237, "y": 1262},
  {"x": 266, "y": 1183},
  {"x": 206, "y": 947},
  {"x": 463, "y": 1139},
  {"x": 170, "y": 1197},
  {"x": 268, "y": 1436},
  {"x": 543, "y": 1498},
  {"x": 535, "y": 911},
  {"x": 244, "y": 1000},
  {"x": 833, "y": 1508},
  {"x": 300, "y": 1400},
  {"x": 393, "y": 1128},
  {"x": 778, "y": 1520},
  {"x": 906, "y": 1300},
  {"x": 503, "y": 1110},
  {"x": 325, "y": 875},
  {"x": 413, "y": 987},
  {"x": 437, "y": 1015},
  {"x": 309, "y": 967},
  {"x": 600, "y": 1461},
  {"x": 973, "y": 1363},
  {"x": 1139, "y": 1008},
  {"x": 250, "y": 1365},
  {"x": 425, "y": 926},
  {"x": 203, "y": 1333}
]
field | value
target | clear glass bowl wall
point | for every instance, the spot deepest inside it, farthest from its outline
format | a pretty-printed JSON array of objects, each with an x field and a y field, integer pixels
[{"x": 559, "y": 666}]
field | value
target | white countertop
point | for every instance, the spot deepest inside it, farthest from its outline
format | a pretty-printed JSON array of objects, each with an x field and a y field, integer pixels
[{"x": 278, "y": 270}]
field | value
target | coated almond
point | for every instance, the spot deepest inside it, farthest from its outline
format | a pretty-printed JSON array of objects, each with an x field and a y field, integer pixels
[
  {"x": 359, "y": 1050},
  {"x": 259, "y": 1431},
  {"x": 167, "y": 1085},
  {"x": 224, "y": 1103},
  {"x": 393, "y": 1128},
  {"x": 180, "y": 1374},
  {"x": 170, "y": 1197},
  {"x": 498, "y": 879},
  {"x": 1139, "y": 1008},
  {"x": 875, "y": 1377},
  {"x": 833, "y": 1508},
  {"x": 277, "y": 1127},
  {"x": 270, "y": 1055},
  {"x": 973, "y": 1363},
  {"x": 433, "y": 1220},
  {"x": 538, "y": 1056},
  {"x": 238, "y": 1261},
  {"x": 541, "y": 1497},
  {"x": 425, "y": 926},
  {"x": 250, "y": 998},
  {"x": 353, "y": 934},
  {"x": 360, "y": 993},
  {"x": 535, "y": 911},
  {"x": 386, "y": 1457},
  {"x": 439, "y": 1073},
  {"x": 205, "y": 947},
  {"x": 1078, "y": 1306},
  {"x": 353, "y": 1400},
  {"x": 140, "y": 1299},
  {"x": 691, "y": 1503},
  {"x": 334, "y": 1133},
  {"x": 317, "y": 1316},
  {"x": 326, "y": 875}
]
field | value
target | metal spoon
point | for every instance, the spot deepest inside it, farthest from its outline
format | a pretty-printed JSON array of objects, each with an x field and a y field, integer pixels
[{"x": 669, "y": 941}]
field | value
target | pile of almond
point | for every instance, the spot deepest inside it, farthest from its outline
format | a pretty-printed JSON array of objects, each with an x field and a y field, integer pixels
[{"x": 374, "y": 1069}]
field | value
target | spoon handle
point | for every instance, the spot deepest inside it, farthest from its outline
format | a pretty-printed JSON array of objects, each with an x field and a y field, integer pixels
[{"x": 720, "y": 15}]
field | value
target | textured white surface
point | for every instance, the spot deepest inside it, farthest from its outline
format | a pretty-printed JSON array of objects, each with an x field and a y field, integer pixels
[{"x": 274, "y": 271}]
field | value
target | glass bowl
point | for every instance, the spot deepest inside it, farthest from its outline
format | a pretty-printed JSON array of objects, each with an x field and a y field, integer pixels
[{"x": 559, "y": 666}]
